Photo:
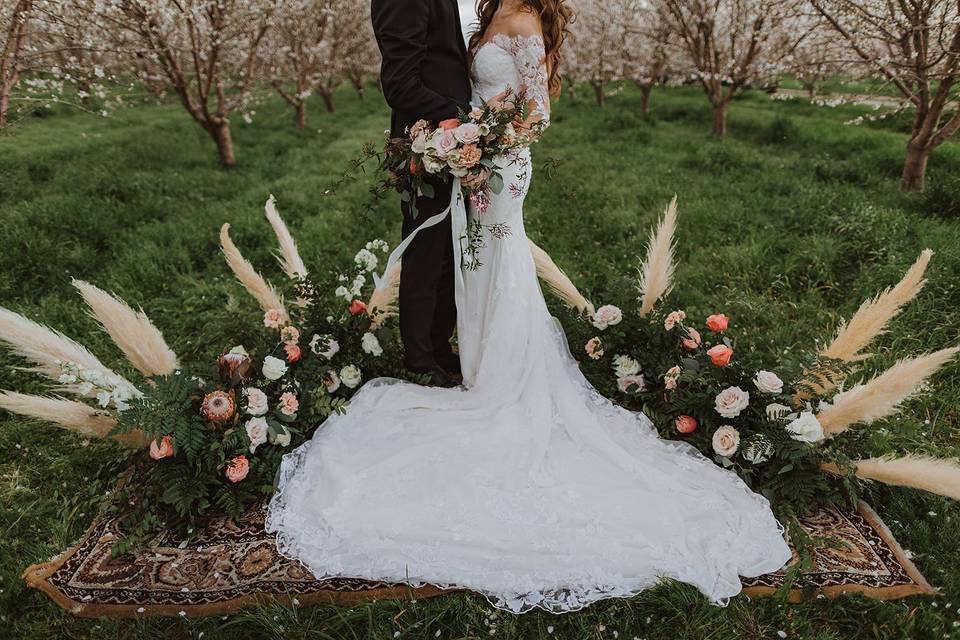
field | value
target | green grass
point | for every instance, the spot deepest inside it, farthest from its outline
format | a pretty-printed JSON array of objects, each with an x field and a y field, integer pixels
[{"x": 785, "y": 226}]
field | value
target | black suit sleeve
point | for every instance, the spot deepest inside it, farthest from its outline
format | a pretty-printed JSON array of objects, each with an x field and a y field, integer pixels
[{"x": 401, "y": 30}]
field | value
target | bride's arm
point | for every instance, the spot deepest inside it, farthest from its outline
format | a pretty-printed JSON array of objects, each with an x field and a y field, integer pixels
[{"x": 529, "y": 56}]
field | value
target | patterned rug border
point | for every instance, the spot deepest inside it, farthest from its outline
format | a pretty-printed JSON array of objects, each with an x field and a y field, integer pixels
[{"x": 37, "y": 576}]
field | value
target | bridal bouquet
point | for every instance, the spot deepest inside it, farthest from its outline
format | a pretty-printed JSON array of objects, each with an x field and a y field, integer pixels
[{"x": 466, "y": 147}]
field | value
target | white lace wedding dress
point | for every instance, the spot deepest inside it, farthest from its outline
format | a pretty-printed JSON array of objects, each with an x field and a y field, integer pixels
[{"x": 527, "y": 486}]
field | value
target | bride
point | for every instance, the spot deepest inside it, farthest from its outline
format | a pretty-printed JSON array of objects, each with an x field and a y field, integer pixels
[{"x": 525, "y": 484}]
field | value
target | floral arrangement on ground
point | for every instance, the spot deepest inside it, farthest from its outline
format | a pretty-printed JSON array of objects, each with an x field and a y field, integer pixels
[{"x": 208, "y": 440}]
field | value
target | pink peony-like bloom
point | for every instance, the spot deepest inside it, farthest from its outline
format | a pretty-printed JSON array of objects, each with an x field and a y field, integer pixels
[
  {"x": 289, "y": 404},
  {"x": 692, "y": 341},
  {"x": 218, "y": 406},
  {"x": 294, "y": 353},
  {"x": 162, "y": 450},
  {"x": 273, "y": 319},
  {"x": 720, "y": 355},
  {"x": 594, "y": 348},
  {"x": 718, "y": 323},
  {"x": 672, "y": 319},
  {"x": 449, "y": 124},
  {"x": 357, "y": 307},
  {"x": 290, "y": 334},
  {"x": 470, "y": 155},
  {"x": 686, "y": 424},
  {"x": 237, "y": 468}
]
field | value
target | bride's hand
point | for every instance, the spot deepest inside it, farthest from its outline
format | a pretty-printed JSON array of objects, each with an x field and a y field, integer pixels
[{"x": 500, "y": 101}]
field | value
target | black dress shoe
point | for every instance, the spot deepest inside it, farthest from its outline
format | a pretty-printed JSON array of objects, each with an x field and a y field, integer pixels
[{"x": 440, "y": 378}]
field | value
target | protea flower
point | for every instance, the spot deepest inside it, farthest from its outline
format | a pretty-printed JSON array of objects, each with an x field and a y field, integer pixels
[{"x": 218, "y": 407}]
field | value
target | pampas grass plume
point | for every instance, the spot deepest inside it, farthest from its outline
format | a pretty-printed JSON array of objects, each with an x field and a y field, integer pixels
[
  {"x": 253, "y": 282},
  {"x": 656, "y": 272},
  {"x": 558, "y": 282}
]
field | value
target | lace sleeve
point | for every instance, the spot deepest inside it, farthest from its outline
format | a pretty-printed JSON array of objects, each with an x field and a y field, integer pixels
[{"x": 529, "y": 56}]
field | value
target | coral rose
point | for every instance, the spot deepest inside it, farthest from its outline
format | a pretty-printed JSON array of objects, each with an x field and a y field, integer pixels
[
  {"x": 692, "y": 341},
  {"x": 686, "y": 424},
  {"x": 720, "y": 355},
  {"x": 717, "y": 323},
  {"x": 289, "y": 404},
  {"x": 293, "y": 352},
  {"x": 357, "y": 307},
  {"x": 237, "y": 469},
  {"x": 162, "y": 450},
  {"x": 449, "y": 124}
]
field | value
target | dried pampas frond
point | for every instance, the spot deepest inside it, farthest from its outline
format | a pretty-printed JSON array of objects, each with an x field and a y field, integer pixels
[
  {"x": 289, "y": 257},
  {"x": 919, "y": 472},
  {"x": 882, "y": 396},
  {"x": 69, "y": 414},
  {"x": 132, "y": 331},
  {"x": 656, "y": 272},
  {"x": 873, "y": 315},
  {"x": 45, "y": 346},
  {"x": 558, "y": 282},
  {"x": 252, "y": 281},
  {"x": 382, "y": 302}
]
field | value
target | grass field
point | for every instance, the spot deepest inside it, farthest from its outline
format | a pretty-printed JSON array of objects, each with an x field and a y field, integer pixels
[{"x": 786, "y": 226}]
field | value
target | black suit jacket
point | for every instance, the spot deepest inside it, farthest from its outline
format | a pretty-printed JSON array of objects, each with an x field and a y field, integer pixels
[{"x": 424, "y": 60}]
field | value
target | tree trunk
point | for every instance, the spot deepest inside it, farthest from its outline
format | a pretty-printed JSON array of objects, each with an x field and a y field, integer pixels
[
  {"x": 720, "y": 119},
  {"x": 4, "y": 103},
  {"x": 914, "y": 173},
  {"x": 598, "y": 90},
  {"x": 572, "y": 91},
  {"x": 300, "y": 112},
  {"x": 645, "y": 98},
  {"x": 328, "y": 100},
  {"x": 221, "y": 135}
]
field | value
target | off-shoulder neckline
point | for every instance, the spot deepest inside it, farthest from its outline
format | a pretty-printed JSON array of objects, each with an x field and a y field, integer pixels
[{"x": 506, "y": 41}]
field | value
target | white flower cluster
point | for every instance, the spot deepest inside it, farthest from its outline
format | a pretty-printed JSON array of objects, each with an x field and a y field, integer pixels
[{"x": 106, "y": 388}]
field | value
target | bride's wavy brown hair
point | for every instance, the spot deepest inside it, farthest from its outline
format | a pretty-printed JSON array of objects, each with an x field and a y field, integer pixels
[{"x": 555, "y": 15}]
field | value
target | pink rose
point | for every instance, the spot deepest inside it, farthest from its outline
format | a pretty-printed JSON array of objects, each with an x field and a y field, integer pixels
[
  {"x": 162, "y": 450},
  {"x": 357, "y": 307},
  {"x": 686, "y": 424},
  {"x": 293, "y": 352},
  {"x": 289, "y": 404},
  {"x": 273, "y": 319},
  {"x": 445, "y": 143},
  {"x": 672, "y": 319},
  {"x": 718, "y": 323},
  {"x": 449, "y": 124},
  {"x": 467, "y": 133},
  {"x": 594, "y": 348},
  {"x": 626, "y": 383},
  {"x": 720, "y": 355},
  {"x": 237, "y": 469},
  {"x": 670, "y": 377},
  {"x": 692, "y": 341}
]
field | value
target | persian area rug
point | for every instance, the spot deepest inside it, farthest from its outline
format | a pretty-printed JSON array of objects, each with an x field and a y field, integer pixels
[{"x": 232, "y": 564}]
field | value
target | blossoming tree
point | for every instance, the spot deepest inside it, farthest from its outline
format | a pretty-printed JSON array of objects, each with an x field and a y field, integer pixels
[
  {"x": 14, "y": 19},
  {"x": 597, "y": 40},
  {"x": 648, "y": 52},
  {"x": 915, "y": 46},
  {"x": 732, "y": 44}
]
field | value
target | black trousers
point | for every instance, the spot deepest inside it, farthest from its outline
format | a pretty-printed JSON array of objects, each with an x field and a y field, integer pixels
[{"x": 428, "y": 309}]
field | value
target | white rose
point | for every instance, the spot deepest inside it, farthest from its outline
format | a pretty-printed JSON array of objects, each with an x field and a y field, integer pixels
[
  {"x": 625, "y": 366},
  {"x": 731, "y": 401},
  {"x": 432, "y": 165},
  {"x": 776, "y": 411},
  {"x": 331, "y": 381},
  {"x": 419, "y": 144},
  {"x": 768, "y": 382},
  {"x": 257, "y": 430},
  {"x": 467, "y": 133},
  {"x": 351, "y": 376},
  {"x": 282, "y": 438},
  {"x": 370, "y": 344},
  {"x": 806, "y": 428},
  {"x": 256, "y": 401},
  {"x": 324, "y": 346},
  {"x": 273, "y": 368},
  {"x": 607, "y": 316},
  {"x": 726, "y": 439}
]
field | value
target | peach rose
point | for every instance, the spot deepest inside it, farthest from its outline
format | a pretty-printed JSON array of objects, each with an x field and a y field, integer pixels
[
  {"x": 289, "y": 404},
  {"x": 293, "y": 352},
  {"x": 162, "y": 450},
  {"x": 670, "y": 377},
  {"x": 672, "y": 319},
  {"x": 449, "y": 124},
  {"x": 237, "y": 469},
  {"x": 290, "y": 334},
  {"x": 720, "y": 355},
  {"x": 418, "y": 126},
  {"x": 686, "y": 424},
  {"x": 273, "y": 319},
  {"x": 357, "y": 307},
  {"x": 469, "y": 155},
  {"x": 718, "y": 323},
  {"x": 594, "y": 348},
  {"x": 692, "y": 341}
]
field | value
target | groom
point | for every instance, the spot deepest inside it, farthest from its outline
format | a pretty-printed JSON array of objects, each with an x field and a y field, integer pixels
[{"x": 424, "y": 75}]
